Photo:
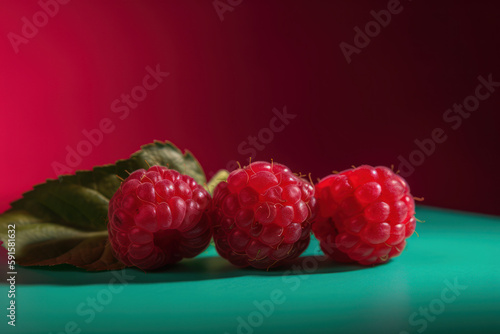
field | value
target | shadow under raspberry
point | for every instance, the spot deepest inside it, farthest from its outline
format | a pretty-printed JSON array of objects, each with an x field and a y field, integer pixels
[{"x": 197, "y": 269}]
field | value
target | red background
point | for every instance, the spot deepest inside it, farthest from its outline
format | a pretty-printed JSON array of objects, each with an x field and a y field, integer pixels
[{"x": 227, "y": 76}]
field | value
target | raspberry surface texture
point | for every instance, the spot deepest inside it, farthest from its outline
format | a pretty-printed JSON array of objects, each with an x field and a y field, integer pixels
[
  {"x": 262, "y": 216},
  {"x": 158, "y": 217},
  {"x": 365, "y": 215}
]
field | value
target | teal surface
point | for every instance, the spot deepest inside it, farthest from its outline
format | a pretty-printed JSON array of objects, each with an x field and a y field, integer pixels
[{"x": 447, "y": 280}]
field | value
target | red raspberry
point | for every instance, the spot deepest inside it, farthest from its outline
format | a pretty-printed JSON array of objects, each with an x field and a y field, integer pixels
[
  {"x": 365, "y": 215},
  {"x": 157, "y": 217},
  {"x": 262, "y": 216}
]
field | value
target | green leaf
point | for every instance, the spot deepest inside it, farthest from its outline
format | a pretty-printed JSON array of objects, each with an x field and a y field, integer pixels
[
  {"x": 65, "y": 220},
  {"x": 219, "y": 177}
]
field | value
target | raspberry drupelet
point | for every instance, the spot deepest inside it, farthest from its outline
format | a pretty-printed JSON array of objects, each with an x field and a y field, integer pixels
[
  {"x": 158, "y": 217},
  {"x": 262, "y": 216},
  {"x": 366, "y": 214}
]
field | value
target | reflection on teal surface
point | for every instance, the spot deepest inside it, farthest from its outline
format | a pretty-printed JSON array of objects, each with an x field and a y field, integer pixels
[{"x": 447, "y": 280}]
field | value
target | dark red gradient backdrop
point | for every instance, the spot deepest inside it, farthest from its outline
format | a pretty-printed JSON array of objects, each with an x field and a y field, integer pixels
[{"x": 227, "y": 76}]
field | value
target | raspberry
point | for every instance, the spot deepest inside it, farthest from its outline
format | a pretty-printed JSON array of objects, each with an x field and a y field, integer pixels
[
  {"x": 262, "y": 216},
  {"x": 365, "y": 215},
  {"x": 157, "y": 217}
]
